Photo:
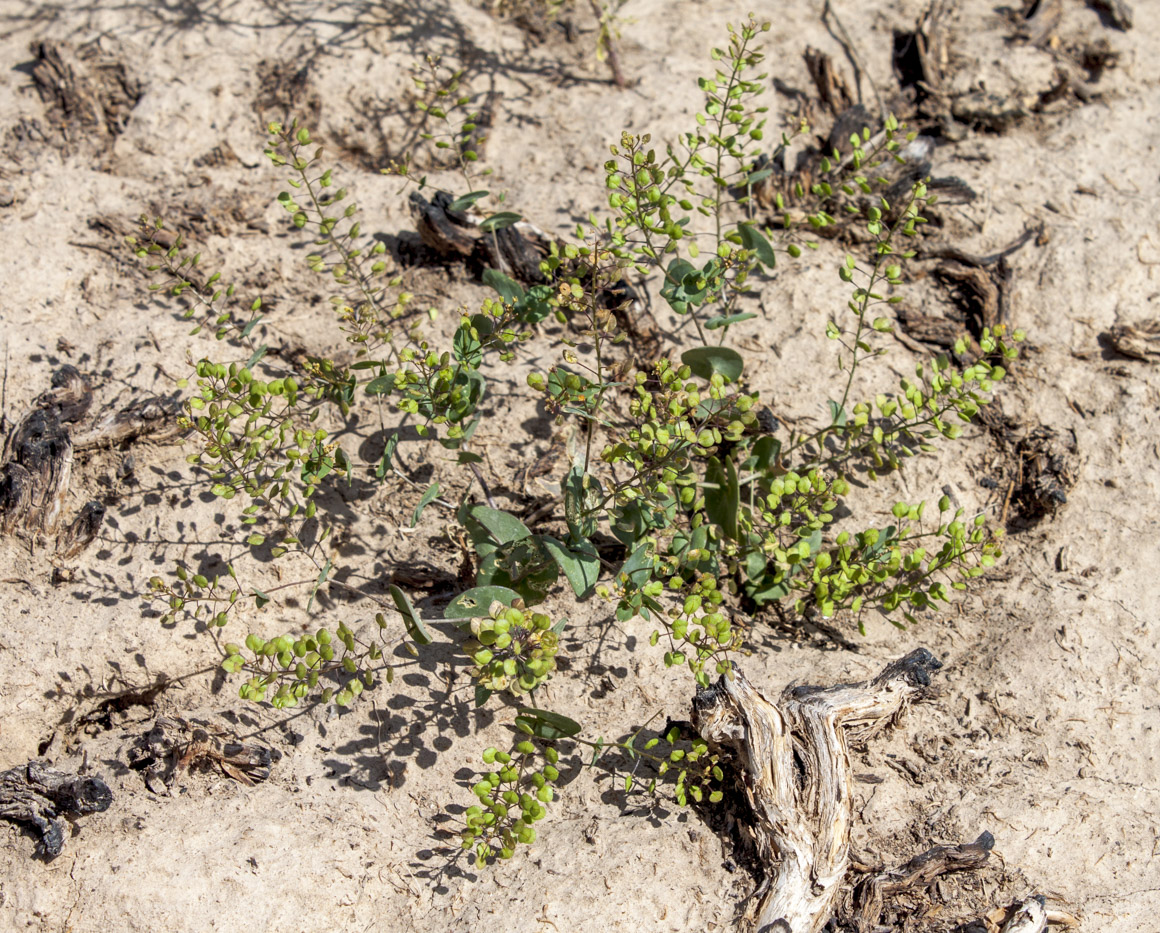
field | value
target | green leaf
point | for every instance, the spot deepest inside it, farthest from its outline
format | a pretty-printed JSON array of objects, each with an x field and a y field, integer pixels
[
  {"x": 474, "y": 603},
  {"x": 388, "y": 452},
  {"x": 486, "y": 525},
  {"x": 580, "y": 564},
  {"x": 342, "y": 459},
  {"x": 722, "y": 504},
  {"x": 704, "y": 361},
  {"x": 837, "y": 414},
  {"x": 323, "y": 574},
  {"x": 382, "y": 385},
  {"x": 481, "y": 695},
  {"x": 508, "y": 289},
  {"x": 465, "y": 201},
  {"x": 548, "y": 725},
  {"x": 754, "y": 239},
  {"x": 499, "y": 221},
  {"x": 766, "y": 452},
  {"x": 249, "y": 327},
  {"x": 256, "y": 356},
  {"x": 639, "y": 566},
  {"x": 682, "y": 286},
  {"x": 726, "y": 320},
  {"x": 467, "y": 348},
  {"x": 414, "y": 625},
  {"x": 260, "y": 598},
  {"x": 429, "y": 496}
]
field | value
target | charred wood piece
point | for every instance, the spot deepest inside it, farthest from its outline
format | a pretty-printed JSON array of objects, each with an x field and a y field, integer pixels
[
  {"x": 1029, "y": 917},
  {"x": 37, "y": 795},
  {"x": 89, "y": 93},
  {"x": 38, "y": 455}
]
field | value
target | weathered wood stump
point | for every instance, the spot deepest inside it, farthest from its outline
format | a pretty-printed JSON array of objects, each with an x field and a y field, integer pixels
[{"x": 795, "y": 770}]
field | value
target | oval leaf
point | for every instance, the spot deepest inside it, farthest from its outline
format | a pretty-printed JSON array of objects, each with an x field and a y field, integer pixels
[
  {"x": 415, "y": 627},
  {"x": 474, "y": 603},
  {"x": 754, "y": 239},
  {"x": 464, "y": 202},
  {"x": 499, "y": 221},
  {"x": 548, "y": 725},
  {"x": 580, "y": 565},
  {"x": 704, "y": 361},
  {"x": 508, "y": 289},
  {"x": 725, "y": 320},
  {"x": 428, "y": 497},
  {"x": 503, "y": 527}
]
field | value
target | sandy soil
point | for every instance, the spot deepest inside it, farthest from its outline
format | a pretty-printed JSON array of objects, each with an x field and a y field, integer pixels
[{"x": 1044, "y": 729}]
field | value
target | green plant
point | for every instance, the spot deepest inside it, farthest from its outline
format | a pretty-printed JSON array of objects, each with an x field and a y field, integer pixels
[{"x": 675, "y": 462}]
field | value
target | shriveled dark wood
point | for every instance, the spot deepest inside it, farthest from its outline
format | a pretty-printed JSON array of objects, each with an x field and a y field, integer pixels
[
  {"x": 1137, "y": 342},
  {"x": 924, "y": 333},
  {"x": 795, "y": 771},
  {"x": 516, "y": 254},
  {"x": 38, "y": 456},
  {"x": 152, "y": 416},
  {"x": 919, "y": 57},
  {"x": 976, "y": 292},
  {"x": 40, "y": 796},
  {"x": 1115, "y": 13},
  {"x": 920, "y": 871},
  {"x": 1047, "y": 471},
  {"x": 82, "y": 530},
  {"x": 437, "y": 231},
  {"x": 1028, "y": 917},
  {"x": 833, "y": 90},
  {"x": 35, "y": 480},
  {"x": 172, "y": 745},
  {"x": 89, "y": 93},
  {"x": 37, "y": 462}
]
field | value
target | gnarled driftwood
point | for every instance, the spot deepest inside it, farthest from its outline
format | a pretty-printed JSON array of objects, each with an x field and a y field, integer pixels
[{"x": 795, "y": 771}]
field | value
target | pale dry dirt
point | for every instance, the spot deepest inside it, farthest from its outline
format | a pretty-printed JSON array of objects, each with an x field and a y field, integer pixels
[{"x": 1044, "y": 729}]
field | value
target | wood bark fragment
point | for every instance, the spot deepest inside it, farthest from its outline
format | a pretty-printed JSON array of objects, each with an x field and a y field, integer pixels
[
  {"x": 81, "y": 531},
  {"x": 1115, "y": 13},
  {"x": 920, "y": 871},
  {"x": 833, "y": 90},
  {"x": 1029, "y": 917},
  {"x": 37, "y": 461},
  {"x": 172, "y": 745},
  {"x": 795, "y": 770},
  {"x": 89, "y": 93},
  {"x": 1137, "y": 342},
  {"x": 155, "y": 416},
  {"x": 40, "y": 796},
  {"x": 38, "y": 456}
]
